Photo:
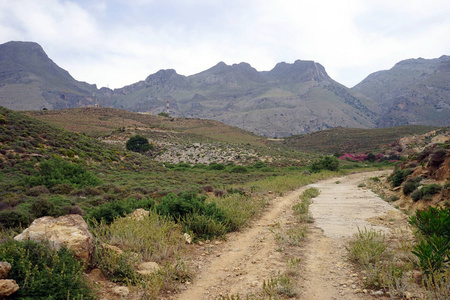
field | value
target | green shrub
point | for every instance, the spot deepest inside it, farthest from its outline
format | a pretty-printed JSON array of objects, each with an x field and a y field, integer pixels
[
  {"x": 14, "y": 219},
  {"x": 182, "y": 209},
  {"x": 204, "y": 227},
  {"x": 216, "y": 166},
  {"x": 107, "y": 212},
  {"x": 432, "y": 221},
  {"x": 42, "y": 207},
  {"x": 259, "y": 165},
  {"x": 138, "y": 143},
  {"x": 433, "y": 251},
  {"x": 437, "y": 158},
  {"x": 430, "y": 189},
  {"x": 62, "y": 188},
  {"x": 410, "y": 185},
  {"x": 330, "y": 163},
  {"x": 416, "y": 195},
  {"x": 238, "y": 169},
  {"x": 57, "y": 171},
  {"x": 399, "y": 176},
  {"x": 38, "y": 190},
  {"x": 42, "y": 273}
]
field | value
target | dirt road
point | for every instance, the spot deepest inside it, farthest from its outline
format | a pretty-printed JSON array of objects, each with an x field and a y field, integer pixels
[{"x": 248, "y": 258}]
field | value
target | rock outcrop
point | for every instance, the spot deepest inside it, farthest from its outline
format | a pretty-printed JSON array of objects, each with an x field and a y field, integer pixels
[{"x": 69, "y": 231}]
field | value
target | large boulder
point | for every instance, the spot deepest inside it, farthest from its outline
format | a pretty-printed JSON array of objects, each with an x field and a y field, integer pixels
[{"x": 69, "y": 231}]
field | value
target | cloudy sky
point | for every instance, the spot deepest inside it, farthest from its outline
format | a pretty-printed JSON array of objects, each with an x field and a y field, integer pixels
[{"x": 118, "y": 42}]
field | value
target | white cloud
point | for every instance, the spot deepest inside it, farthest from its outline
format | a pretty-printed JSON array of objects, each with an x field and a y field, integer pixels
[{"x": 118, "y": 42}]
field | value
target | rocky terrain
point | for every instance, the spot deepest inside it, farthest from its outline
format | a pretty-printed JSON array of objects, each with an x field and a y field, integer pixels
[{"x": 428, "y": 163}]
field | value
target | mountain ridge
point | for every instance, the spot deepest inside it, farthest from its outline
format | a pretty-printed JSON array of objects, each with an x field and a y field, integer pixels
[{"x": 292, "y": 98}]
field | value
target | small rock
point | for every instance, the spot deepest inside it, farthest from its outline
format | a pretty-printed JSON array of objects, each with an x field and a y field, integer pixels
[
  {"x": 187, "y": 238},
  {"x": 407, "y": 295},
  {"x": 139, "y": 214},
  {"x": 378, "y": 293},
  {"x": 358, "y": 291},
  {"x": 8, "y": 287},
  {"x": 121, "y": 291},
  {"x": 5, "y": 267},
  {"x": 147, "y": 268}
]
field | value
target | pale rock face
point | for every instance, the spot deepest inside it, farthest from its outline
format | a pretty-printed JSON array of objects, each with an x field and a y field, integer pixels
[
  {"x": 8, "y": 287},
  {"x": 69, "y": 231}
]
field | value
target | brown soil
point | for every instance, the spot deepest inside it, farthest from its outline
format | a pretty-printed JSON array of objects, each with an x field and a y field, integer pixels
[{"x": 248, "y": 258}]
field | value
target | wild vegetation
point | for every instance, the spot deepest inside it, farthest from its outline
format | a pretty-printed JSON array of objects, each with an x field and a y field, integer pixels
[
  {"x": 419, "y": 185},
  {"x": 49, "y": 171},
  {"x": 352, "y": 140}
]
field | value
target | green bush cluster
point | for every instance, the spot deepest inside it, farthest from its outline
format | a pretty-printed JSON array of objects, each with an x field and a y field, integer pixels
[
  {"x": 426, "y": 192},
  {"x": 204, "y": 220},
  {"x": 109, "y": 211},
  {"x": 411, "y": 184},
  {"x": 138, "y": 143},
  {"x": 398, "y": 176},
  {"x": 42, "y": 273},
  {"x": 330, "y": 163},
  {"x": 58, "y": 171},
  {"x": 433, "y": 251}
]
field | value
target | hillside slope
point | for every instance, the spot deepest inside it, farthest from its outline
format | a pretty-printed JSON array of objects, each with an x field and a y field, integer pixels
[
  {"x": 414, "y": 91},
  {"x": 352, "y": 140}
]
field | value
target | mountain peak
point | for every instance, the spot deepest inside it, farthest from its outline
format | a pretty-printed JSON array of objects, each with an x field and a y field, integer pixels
[
  {"x": 16, "y": 50},
  {"x": 299, "y": 71}
]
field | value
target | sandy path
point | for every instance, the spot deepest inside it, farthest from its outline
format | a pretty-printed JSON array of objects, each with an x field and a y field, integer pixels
[{"x": 246, "y": 259}]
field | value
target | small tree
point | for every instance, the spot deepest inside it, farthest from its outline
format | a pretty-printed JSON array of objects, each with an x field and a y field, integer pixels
[
  {"x": 138, "y": 143},
  {"x": 330, "y": 163}
]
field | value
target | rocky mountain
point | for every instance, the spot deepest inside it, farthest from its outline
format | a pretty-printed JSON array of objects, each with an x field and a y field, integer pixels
[
  {"x": 414, "y": 91},
  {"x": 292, "y": 98},
  {"x": 30, "y": 80}
]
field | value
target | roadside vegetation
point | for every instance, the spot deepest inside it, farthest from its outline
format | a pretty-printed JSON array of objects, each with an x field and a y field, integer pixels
[
  {"x": 401, "y": 263},
  {"x": 48, "y": 171}
]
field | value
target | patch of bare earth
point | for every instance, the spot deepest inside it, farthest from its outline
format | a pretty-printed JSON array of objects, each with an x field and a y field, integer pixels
[{"x": 248, "y": 258}]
